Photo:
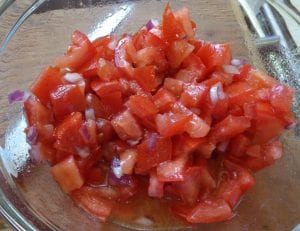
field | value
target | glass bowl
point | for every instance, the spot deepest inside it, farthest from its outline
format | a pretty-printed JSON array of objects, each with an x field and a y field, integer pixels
[{"x": 34, "y": 33}]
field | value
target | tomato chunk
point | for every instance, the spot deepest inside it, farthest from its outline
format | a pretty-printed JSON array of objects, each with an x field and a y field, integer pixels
[
  {"x": 153, "y": 150},
  {"x": 92, "y": 201},
  {"x": 78, "y": 53},
  {"x": 67, "y": 99},
  {"x": 207, "y": 212},
  {"x": 126, "y": 126},
  {"x": 46, "y": 83},
  {"x": 229, "y": 127},
  {"x": 67, "y": 174},
  {"x": 141, "y": 106}
]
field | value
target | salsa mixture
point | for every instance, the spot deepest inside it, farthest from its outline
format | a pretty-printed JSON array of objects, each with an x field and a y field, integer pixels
[{"x": 157, "y": 111}]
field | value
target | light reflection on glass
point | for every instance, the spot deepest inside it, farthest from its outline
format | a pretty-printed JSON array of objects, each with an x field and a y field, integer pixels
[{"x": 108, "y": 25}]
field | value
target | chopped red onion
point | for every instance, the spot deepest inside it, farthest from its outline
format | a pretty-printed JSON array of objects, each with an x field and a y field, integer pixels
[
  {"x": 35, "y": 154},
  {"x": 238, "y": 62},
  {"x": 133, "y": 142},
  {"x": 84, "y": 132},
  {"x": 112, "y": 45},
  {"x": 223, "y": 146},
  {"x": 17, "y": 96},
  {"x": 216, "y": 93},
  {"x": 116, "y": 167},
  {"x": 124, "y": 180},
  {"x": 83, "y": 152},
  {"x": 31, "y": 135},
  {"x": 157, "y": 32},
  {"x": 89, "y": 114},
  {"x": 144, "y": 221},
  {"x": 73, "y": 77},
  {"x": 152, "y": 142},
  {"x": 230, "y": 69},
  {"x": 292, "y": 125},
  {"x": 151, "y": 24}
]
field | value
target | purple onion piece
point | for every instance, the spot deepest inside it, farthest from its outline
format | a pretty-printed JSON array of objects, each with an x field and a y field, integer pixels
[
  {"x": 16, "y": 96},
  {"x": 152, "y": 142},
  {"x": 124, "y": 180},
  {"x": 31, "y": 135},
  {"x": 83, "y": 152},
  {"x": 84, "y": 133},
  {"x": 151, "y": 24},
  {"x": 35, "y": 154}
]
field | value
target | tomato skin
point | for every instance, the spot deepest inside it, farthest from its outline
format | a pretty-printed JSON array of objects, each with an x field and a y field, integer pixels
[
  {"x": 106, "y": 70},
  {"x": 173, "y": 85},
  {"x": 172, "y": 170},
  {"x": 170, "y": 124},
  {"x": 153, "y": 150},
  {"x": 93, "y": 201},
  {"x": 70, "y": 125},
  {"x": 228, "y": 128},
  {"x": 171, "y": 28},
  {"x": 67, "y": 99},
  {"x": 178, "y": 51},
  {"x": 145, "y": 77},
  {"x": 67, "y": 174},
  {"x": 193, "y": 95},
  {"x": 126, "y": 126},
  {"x": 80, "y": 51},
  {"x": 163, "y": 100},
  {"x": 47, "y": 82},
  {"x": 213, "y": 55},
  {"x": 36, "y": 113},
  {"x": 208, "y": 211},
  {"x": 281, "y": 98},
  {"x": 141, "y": 106}
]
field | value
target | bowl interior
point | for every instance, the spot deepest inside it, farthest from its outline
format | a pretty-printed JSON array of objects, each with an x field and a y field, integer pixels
[{"x": 273, "y": 204}]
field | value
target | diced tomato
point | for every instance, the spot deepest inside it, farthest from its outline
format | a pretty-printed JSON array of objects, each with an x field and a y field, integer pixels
[
  {"x": 106, "y": 70},
  {"x": 197, "y": 127},
  {"x": 125, "y": 53},
  {"x": 170, "y": 124},
  {"x": 67, "y": 99},
  {"x": 92, "y": 200},
  {"x": 141, "y": 106},
  {"x": 184, "y": 144},
  {"x": 98, "y": 107},
  {"x": 79, "y": 52},
  {"x": 267, "y": 126},
  {"x": 240, "y": 93},
  {"x": 37, "y": 113},
  {"x": 281, "y": 98},
  {"x": 229, "y": 127},
  {"x": 126, "y": 126},
  {"x": 47, "y": 82},
  {"x": 95, "y": 176},
  {"x": 70, "y": 125},
  {"x": 163, "y": 100},
  {"x": 153, "y": 150},
  {"x": 172, "y": 170},
  {"x": 173, "y": 85},
  {"x": 89, "y": 69},
  {"x": 238, "y": 145},
  {"x": 67, "y": 174},
  {"x": 213, "y": 55},
  {"x": 145, "y": 77},
  {"x": 178, "y": 51},
  {"x": 206, "y": 178},
  {"x": 146, "y": 56},
  {"x": 205, "y": 149},
  {"x": 171, "y": 28},
  {"x": 230, "y": 192},
  {"x": 207, "y": 211},
  {"x": 105, "y": 130},
  {"x": 193, "y": 95},
  {"x": 258, "y": 79},
  {"x": 127, "y": 160},
  {"x": 182, "y": 15},
  {"x": 156, "y": 187},
  {"x": 110, "y": 94}
]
